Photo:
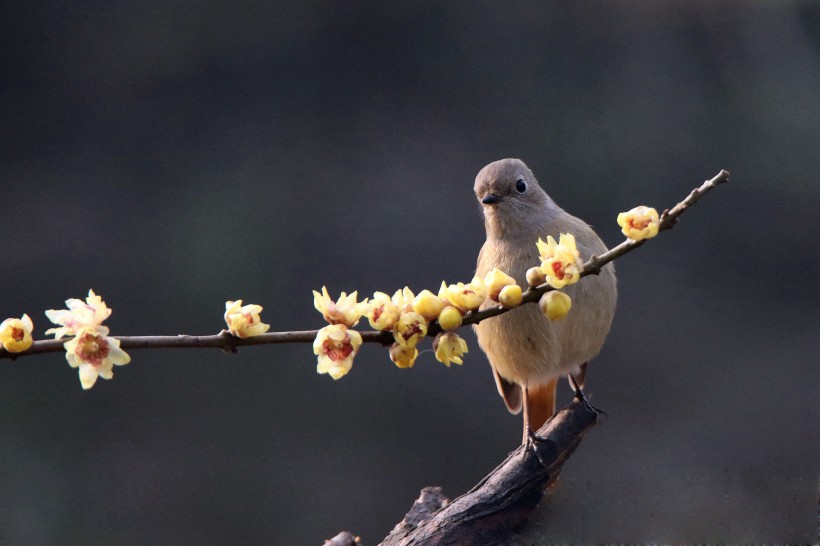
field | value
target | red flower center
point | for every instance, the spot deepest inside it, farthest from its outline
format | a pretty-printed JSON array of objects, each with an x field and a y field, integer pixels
[
  {"x": 636, "y": 223},
  {"x": 92, "y": 348},
  {"x": 336, "y": 351},
  {"x": 17, "y": 334},
  {"x": 411, "y": 330}
]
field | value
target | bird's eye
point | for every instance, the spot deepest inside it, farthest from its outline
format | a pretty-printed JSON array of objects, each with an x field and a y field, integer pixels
[{"x": 520, "y": 185}]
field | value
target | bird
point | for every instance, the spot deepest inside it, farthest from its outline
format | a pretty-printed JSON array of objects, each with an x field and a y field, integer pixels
[{"x": 527, "y": 352}]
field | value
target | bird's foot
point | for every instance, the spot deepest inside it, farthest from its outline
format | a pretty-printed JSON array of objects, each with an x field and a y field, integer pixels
[
  {"x": 531, "y": 441},
  {"x": 582, "y": 398}
]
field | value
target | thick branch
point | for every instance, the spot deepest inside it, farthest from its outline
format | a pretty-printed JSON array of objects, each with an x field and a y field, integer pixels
[
  {"x": 501, "y": 503},
  {"x": 230, "y": 343}
]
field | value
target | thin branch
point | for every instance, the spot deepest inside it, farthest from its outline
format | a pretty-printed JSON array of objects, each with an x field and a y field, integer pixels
[{"x": 229, "y": 343}]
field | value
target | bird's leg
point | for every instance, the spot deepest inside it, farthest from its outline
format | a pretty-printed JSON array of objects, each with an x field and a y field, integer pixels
[
  {"x": 530, "y": 439},
  {"x": 581, "y": 397}
]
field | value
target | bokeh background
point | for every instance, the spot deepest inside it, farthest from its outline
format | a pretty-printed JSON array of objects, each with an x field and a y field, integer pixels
[{"x": 174, "y": 155}]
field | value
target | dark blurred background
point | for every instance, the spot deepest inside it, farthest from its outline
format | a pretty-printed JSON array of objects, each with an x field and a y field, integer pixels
[{"x": 174, "y": 155}]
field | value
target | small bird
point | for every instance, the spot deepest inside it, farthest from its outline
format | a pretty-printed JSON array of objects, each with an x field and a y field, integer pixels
[{"x": 527, "y": 352}]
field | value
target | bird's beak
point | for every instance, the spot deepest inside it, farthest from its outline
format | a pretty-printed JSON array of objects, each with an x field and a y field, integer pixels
[{"x": 490, "y": 199}]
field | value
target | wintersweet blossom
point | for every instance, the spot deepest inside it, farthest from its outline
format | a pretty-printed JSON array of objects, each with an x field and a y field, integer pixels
[
  {"x": 565, "y": 244},
  {"x": 560, "y": 261},
  {"x": 383, "y": 312},
  {"x": 15, "y": 334},
  {"x": 494, "y": 281},
  {"x": 79, "y": 314},
  {"x": 555, "y": 305},
  {"x": 449, "y": 348},
  {"x": 428, "y": 305},
  {"x": 95, "y": 354},
  {"x": 410, "y": 328},
  {"x": 510, "y": 296},
  {"x": 465, "y": 297},
  {"x": 343, "y": 311},
  {"x": 450, "y": 318},
  {"x": 404, "y": 299},
  {"x": 243, "y": 321},
  {"x": 639, "y": 223},
  {"x": 335, "y": 347},
  {"x": 403, "y": 356}
]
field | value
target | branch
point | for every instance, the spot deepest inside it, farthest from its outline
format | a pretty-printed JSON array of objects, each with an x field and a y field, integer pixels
[
  {"x": 229, "y": 343},
  {"x": 501, "y": 503}
]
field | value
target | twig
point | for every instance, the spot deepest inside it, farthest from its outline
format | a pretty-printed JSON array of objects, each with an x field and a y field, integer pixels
[{"x": 230, "y": 343}]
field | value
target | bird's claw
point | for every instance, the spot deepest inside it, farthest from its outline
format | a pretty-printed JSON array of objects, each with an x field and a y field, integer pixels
[
  {"x": 530, "y": 443},
  {"x": 581, "y": 397}
]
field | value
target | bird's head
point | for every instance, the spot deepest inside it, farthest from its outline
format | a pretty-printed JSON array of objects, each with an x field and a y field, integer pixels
[{"x": 511, "y": 197}]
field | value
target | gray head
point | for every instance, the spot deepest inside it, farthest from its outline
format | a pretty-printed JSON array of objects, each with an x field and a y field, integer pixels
[{"x": 510, "y": 196}]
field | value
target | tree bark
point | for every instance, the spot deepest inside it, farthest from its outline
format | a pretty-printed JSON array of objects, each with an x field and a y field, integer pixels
[{"x": 500, "y": 504}]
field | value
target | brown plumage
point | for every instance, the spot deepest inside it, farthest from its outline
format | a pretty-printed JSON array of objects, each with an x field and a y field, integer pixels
[{"x": 528, "y": 353}]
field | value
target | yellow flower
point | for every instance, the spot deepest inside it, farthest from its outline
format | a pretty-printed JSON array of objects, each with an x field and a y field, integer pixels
[
  {"x": 449, "y": 318},
  {"x": 382, "y": 312},
  {"x": 565, "y": 243},
  {"x": 404, "y": 299},
  {"x": 449, "y": 348},
  {"x": 555, "y": 305},
  {"x": 639, "y": 223},
  {"x": 15, "y": 334},
  {"x": 95, "y": 355},
  {"x": 336, "y": 346},
  {"x": 561, "y": 272},
  {"x": 410, "y": 328},
  {"x": 243, "y": 321},
  {"x": 344, "y": 311},
  {"x": 79, "y": 315},
  {"x": 403, "y": 356},
  {"x": 510, "y": 296},
  {"x": 560, "y": 262},
  {"x": 465, "y": 297},
  {"x": 428, "y": 305},
  {"x": 535, "y": 277},
  {"x": 494, "y": 281}
]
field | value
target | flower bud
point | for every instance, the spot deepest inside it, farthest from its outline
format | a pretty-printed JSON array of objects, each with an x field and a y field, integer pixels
[
  {"x": 449, "y": 318},
  {"x": 535, "y": 277},
  {"x": 555, "y": 305},
  {"x": 494, "y": 281},
  {"x": 428, "y": 305},
  {"x": 510, "y": 296}
]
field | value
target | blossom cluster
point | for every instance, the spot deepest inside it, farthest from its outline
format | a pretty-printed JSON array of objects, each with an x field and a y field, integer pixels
[{"x": 407, "y": 316}]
